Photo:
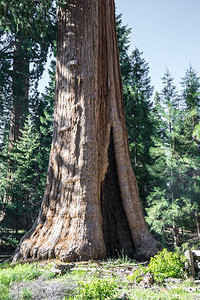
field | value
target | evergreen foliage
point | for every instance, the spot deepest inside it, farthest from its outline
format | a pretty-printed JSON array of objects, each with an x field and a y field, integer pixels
[
  {"x": 23, "y": 170},
  {"x": 174, "y": 203},
  {"x": 137, "y": 93},
  {"x": 20, "y": 189},
  {"x": 140, "y": 124},
  {"x": 27, "y": 31}
]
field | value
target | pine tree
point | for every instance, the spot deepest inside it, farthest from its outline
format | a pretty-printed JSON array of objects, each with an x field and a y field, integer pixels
[
  {"x": 36, "y": 139},
  {"x": 22, "y": 188},
  {"x": 137, "y": 93},
  {"x": 175, "y": 200},
  {"x": 125, "y": 62},
  {"x": 191, "y": 96},
  {"x": 164, "y": 197},
  {"x": 27, "y": 29},
  {"x": 139, "y": 122}
]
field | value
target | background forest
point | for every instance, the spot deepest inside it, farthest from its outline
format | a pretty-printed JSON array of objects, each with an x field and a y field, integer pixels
[{"x": 163, "y": 131}]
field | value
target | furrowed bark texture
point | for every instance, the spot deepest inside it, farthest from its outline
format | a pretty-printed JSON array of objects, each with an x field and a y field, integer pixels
[{"x": 91, "y": 206}]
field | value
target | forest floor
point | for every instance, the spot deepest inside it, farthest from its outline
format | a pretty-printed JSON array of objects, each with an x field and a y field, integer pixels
[{"x": 53, "y": 280}]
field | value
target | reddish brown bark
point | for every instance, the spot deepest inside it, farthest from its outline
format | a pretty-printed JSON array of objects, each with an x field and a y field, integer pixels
[{"x": 91, "y": 206}]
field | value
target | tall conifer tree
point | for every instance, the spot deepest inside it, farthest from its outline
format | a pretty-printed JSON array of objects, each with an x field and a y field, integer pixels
[{"x": 27, "y": 29}]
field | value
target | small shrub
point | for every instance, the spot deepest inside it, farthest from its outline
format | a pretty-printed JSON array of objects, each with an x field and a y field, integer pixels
[
  {"x": 97, "y": 289},
  {"x": 26, "y": 294},
  {"x": 168, "y": 264},
  {"x": 136, "y": 273},
  {"x": 10, "y": 240},
  {"x": 163, "y": 265}
]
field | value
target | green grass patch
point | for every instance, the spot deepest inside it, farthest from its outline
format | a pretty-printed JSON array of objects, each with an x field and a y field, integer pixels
[
  {"x": 105, "y": 280},
  {"x": 18, "y": 273},
  {"x": 161, "y": 293},
  {"x": 26, "y": 294},
  {"x": 4, "y": 292},
  {"x": 97, "y": 289}
]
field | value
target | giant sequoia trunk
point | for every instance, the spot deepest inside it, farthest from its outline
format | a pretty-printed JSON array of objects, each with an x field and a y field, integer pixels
[{"x": 91, "y": 206}]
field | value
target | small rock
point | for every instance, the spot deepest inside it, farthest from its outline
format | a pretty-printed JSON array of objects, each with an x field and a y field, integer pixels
[
  {"x": 123, "y": 296},
  {"x": 61, "y": 269},
  {"x": 192, "y": 289}
]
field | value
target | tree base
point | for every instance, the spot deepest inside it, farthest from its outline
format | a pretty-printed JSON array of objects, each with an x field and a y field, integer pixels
[
  {"x": 82, "y": 252},
  {"x": 148, "y": 249}
]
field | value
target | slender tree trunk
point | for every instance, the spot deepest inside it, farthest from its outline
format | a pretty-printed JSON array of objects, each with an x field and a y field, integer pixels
[
  {"x": 175, "y": 232},
  {"x": 91, "y": 206},
  {"x": 19, "y": 108},
  {"x": 20, "y": 88},
  {"x": 197, "y": 218}
]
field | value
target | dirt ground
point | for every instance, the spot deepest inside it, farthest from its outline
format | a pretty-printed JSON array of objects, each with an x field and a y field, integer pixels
[{"x": 43, "y": 289}]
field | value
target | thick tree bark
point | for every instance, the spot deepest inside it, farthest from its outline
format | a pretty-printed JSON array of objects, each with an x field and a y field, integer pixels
[{"x": 91, "y": 206}]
